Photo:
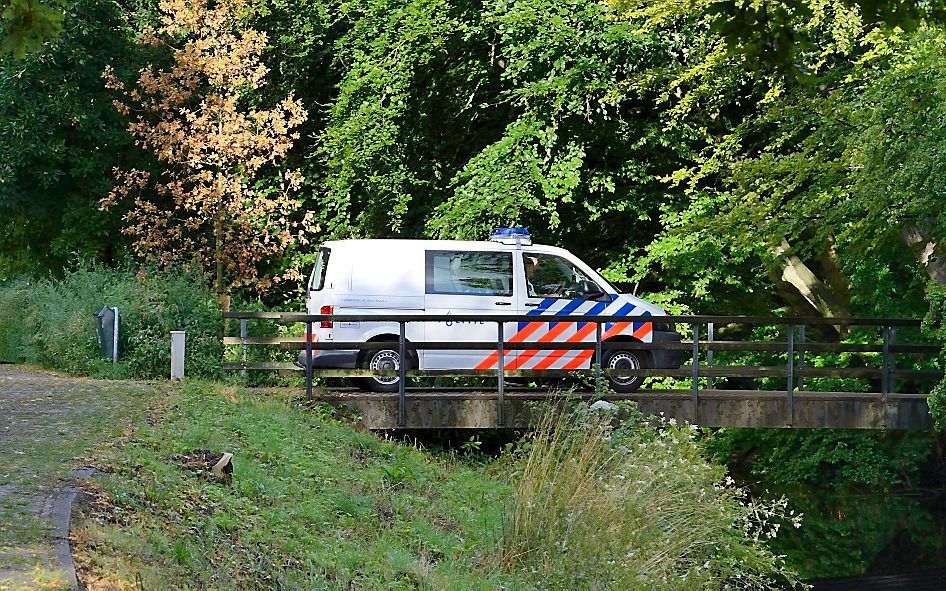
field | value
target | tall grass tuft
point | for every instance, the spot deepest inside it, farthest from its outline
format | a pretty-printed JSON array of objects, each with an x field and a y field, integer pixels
[{"x": 634, "y": 508}]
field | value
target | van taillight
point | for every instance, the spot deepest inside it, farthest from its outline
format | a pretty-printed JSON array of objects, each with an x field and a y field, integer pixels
[{"x": 327, "y": 310}]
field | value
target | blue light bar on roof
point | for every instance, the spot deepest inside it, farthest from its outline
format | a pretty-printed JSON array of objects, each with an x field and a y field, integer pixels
[{"x": 511, "y": 236}]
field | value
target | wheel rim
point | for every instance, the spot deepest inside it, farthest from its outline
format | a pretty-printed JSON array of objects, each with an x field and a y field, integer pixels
[
  {"x": 385, "y": 361},
  {"x": 623, "y": 360}
]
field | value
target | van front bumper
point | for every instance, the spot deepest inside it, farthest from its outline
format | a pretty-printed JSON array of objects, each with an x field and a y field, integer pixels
[
  {"x": 330, "y": 359},
  {"x": 663, "y": 358}
]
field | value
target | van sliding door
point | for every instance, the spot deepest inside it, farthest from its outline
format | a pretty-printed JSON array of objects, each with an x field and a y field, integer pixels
[{"x": 460, "y": 282}]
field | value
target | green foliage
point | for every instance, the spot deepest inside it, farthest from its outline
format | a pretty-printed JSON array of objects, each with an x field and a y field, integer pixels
[
  {"x": 575, "y": 77},
  {"x": 60, "y": 137},
  {"x": 49, "y": 322},
  {"x": 27, "y": 24},
  {"x": 935, "y": 324},
  {"x": 857, "y": 490},
  {"x": 398, "y": 125},
  {"x": 825, "y": 457},
  {"x": 850, "y": 532}
]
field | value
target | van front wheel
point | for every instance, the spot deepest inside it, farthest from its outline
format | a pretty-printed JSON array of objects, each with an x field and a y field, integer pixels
[
  {"x": 631, "y": 359},
  {"x": 381, "y": 360}
]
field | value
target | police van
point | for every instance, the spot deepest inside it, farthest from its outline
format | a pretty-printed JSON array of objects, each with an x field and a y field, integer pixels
[{"x": 507, "y": 275}]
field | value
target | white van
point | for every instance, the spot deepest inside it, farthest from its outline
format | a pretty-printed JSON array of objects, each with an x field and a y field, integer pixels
[{"x": 508, "y": 275}]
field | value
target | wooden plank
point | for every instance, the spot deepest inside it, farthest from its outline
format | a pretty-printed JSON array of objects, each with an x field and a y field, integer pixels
[
  {"x": 925, "y": 348},
  {"x": 917, "y": 373},
  {"x": 438, "y": 345},
  {"x": 263, "y": 340},
  {"x": 267, "y": 366},
  {"x": 839, "y": 372},
  {"x": 719, "y": 320},
  {"x": 298, "y": 344},
  {"x": 683, "y": 395},
  {"x": 254, "y": 315},
  {"x": 682, "y": 372}
]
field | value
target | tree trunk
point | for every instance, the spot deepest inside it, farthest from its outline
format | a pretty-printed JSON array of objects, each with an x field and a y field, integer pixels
[
  {"x": 928, "y": 252},
  {"x": 830, "y": 267},
  {"x": 223, "y": 293},
  {"x": 815, "y": 292}
]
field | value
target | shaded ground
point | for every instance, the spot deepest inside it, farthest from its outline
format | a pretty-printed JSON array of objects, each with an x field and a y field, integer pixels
[{"x": 49, "y": 427}]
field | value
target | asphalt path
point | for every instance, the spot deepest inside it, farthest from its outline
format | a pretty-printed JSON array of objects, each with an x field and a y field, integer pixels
[{"x": 50, "y": 426}]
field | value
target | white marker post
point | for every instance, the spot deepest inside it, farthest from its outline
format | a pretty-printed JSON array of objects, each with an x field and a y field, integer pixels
[
  {"x": 115, "y": 336},
  {"x": 177, "y": 354}
]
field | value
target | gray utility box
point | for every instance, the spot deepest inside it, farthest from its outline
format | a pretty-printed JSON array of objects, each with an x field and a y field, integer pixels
[{"x": 106, "y": 326}]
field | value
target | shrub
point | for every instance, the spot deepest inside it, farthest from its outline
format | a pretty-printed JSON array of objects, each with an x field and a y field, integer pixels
[
  {"x": 634, "y": 509},
  {"x": 934, "y": 324},
  {"x": 49, "y": 322}
]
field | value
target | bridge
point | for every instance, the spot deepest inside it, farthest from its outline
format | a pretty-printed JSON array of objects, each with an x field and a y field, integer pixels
[{"x": 728, "y": 382}]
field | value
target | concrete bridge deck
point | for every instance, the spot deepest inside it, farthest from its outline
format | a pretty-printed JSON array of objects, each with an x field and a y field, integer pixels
[{"x": 479, "y": 409}]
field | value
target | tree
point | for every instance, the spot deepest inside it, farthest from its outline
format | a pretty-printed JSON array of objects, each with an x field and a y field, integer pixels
[
  {"x": 27, "y": 24},
  {"x": 60, "y": 137},
  {"x": 200, "y": 206}
]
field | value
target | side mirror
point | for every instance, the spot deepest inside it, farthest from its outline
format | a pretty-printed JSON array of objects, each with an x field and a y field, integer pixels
[{"x": 591, "y": 291}]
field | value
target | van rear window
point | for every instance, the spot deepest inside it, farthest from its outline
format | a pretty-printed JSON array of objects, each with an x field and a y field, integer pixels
[
  {"x": 469, "y": 273},
  {"x": 317, "y": 280}
]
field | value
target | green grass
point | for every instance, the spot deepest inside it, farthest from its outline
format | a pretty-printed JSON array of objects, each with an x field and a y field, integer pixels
[{"x": 315, "y": 503}]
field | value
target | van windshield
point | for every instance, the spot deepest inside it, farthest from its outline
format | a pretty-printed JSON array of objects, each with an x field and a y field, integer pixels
[{"x": 317, "y": 280}]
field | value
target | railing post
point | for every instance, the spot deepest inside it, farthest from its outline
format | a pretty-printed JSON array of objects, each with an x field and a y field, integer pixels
[
  {"x": 243, "y": 346},
  {"x": 308, "y": 360},
  {"x": 500, "y": 376},
  {"x": 598, "y": 354},
  {"x": 402, "y": 375},
  {"x": 709, "y": 353},
  {"x": 885, "y": 372},
  {"x": 801, "y": 358},
  {"x": 892, "y": 361},
  {"x": 790, "y": 382},
  {"x": 695, "y": 395}
]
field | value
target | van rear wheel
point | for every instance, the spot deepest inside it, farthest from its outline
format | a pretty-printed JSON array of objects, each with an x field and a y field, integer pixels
[
  {"x": 381, "y": 360},
  {"x": 629, "y": 359}
]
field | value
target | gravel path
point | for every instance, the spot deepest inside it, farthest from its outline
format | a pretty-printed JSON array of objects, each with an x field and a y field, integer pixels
[{"x": 49, "y": 427}]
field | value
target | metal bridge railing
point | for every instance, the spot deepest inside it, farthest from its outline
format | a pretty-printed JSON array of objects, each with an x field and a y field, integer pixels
[{"x": 795, "y": 345}]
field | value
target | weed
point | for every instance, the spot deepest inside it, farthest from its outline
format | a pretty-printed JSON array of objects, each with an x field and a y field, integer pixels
[{"x": 633, "y": 508}]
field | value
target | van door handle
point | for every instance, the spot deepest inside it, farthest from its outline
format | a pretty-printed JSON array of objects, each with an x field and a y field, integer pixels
[
  {"x": 503, "y": 303},
  {"x": 532, "y": 305}
]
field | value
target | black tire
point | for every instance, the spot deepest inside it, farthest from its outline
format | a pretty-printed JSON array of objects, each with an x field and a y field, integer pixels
[
  {"x": 381, "y": 359},
  {"x": 626, "y": 359}
]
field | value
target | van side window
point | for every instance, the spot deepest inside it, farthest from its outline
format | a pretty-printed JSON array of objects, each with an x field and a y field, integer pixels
[
  {"x": 317, "y": 279},
  {"x": 469, "y": 273},
  {"x": 551, "y": 276}
]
